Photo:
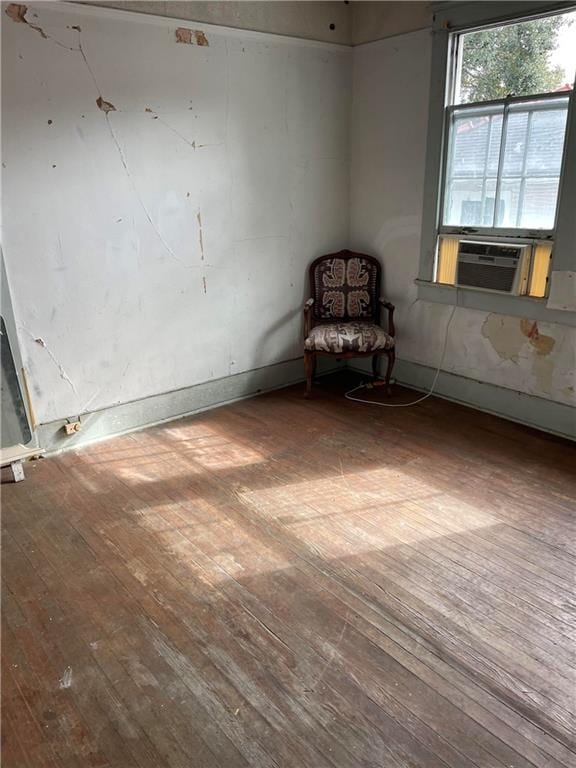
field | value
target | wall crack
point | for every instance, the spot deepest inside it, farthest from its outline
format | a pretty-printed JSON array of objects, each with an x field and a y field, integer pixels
[{"x": 63, "y": 375}]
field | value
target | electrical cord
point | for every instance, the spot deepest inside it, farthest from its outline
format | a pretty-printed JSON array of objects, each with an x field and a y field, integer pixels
[{"x": 363, "y": 385}]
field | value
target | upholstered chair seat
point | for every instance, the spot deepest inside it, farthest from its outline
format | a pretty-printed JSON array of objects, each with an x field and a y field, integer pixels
[{"x": 348, "y": 337}]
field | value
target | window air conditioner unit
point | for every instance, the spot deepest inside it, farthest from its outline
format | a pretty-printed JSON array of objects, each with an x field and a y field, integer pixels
[{"x": 493, "y": 266}]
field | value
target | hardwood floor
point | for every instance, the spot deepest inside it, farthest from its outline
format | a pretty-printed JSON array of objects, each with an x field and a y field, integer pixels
[{"x": 294, "y": 584}]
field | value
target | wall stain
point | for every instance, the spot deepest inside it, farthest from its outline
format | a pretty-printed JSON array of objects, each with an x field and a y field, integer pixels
[
  {"x": 191, "y": 36},
  {"x": 105, "y": 106},
  {"x": 17, "y": 12},
  {"x": 204, "y": 284}
]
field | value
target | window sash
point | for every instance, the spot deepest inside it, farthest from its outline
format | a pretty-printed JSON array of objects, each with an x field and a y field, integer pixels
[{"x": 505, "y": 107}]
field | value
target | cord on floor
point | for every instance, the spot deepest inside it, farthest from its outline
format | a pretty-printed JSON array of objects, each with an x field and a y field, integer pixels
[{"x": 365, "y": 385}]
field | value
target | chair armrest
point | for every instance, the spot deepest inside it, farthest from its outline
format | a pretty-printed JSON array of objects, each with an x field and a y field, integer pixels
[
  {"x": 307, "y": 307},
  {"x": 390, "y": 307}
]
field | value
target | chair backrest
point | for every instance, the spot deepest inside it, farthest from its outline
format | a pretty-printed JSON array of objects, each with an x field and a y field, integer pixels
[{"x": 345, "y": 286}]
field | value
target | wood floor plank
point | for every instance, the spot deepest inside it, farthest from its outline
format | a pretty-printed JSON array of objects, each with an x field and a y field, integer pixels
[{"x": 292, "y": 584}]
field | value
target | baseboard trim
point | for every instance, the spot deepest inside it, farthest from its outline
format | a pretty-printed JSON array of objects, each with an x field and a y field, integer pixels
[
  {"x": 168, "y": 406},
  {"x": 532, "y": 411},
  {"x": 546, "y": 415}
]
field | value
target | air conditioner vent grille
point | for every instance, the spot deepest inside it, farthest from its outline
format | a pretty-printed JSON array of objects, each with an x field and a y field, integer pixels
[{"x": 491, "y": 277}]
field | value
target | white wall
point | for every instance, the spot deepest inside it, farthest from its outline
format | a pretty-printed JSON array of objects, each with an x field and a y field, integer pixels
[
  {"x": 389, "y": 124},
  {"x": 165, "y": 243}
]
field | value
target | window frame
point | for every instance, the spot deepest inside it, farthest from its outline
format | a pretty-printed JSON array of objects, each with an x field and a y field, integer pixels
[{"x": 450, "y": 21}]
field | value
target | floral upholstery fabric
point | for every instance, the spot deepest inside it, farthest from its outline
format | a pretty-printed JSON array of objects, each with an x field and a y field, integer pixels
[
  {"x": 348, "y": 337},
  {"x": 344, "y": 288}
]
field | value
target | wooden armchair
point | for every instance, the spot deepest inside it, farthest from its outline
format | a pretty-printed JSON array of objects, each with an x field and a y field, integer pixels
[{"x": 342, "y": 319}]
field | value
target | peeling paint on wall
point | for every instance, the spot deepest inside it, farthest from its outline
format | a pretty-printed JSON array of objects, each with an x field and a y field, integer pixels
[
  {"x": 17, "y": 12},
  {"x": 191, "y": 36},
  {"x": 105, "y": 106},
  {"x": 508, "y": 335}
]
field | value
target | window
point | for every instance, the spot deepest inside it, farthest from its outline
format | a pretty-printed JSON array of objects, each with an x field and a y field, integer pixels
[
  {"x": 504, "y": 163},
  {"x": 507, "y": 98}
]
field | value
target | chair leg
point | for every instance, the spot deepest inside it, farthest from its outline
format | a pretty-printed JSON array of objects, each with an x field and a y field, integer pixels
[
  {"x": 391, "y": 358},
  {"x": 376, "y": 367},
  {"x": 309, "y": 367}
]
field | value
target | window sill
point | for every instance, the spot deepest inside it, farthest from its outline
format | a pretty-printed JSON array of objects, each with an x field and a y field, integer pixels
[{"x": 500, "y": 303}]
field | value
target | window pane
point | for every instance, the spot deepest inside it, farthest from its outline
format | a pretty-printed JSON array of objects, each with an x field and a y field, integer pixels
[
  {"x": 538, "y": 208},
  {"x": 470, "y": 203},
  {"x": 521, "y": 59},
  {"x": 472, "y": 165},
  {"x": 546, "y": 142},
  {"x": 475, "y": 142}
]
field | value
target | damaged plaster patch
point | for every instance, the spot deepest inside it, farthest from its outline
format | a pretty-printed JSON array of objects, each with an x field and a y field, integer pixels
[
  {"x": 505, "y": 336},
  {"x": 105, "y": 106},
  {"x": 508, "y": 335},
  {"x": 191, "y": 36},
  {"x": 17, "y": 12}
]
